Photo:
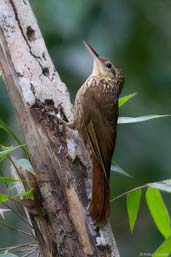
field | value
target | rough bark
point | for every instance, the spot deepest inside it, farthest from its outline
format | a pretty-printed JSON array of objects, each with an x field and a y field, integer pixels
[{"x": 61, "y": 164}]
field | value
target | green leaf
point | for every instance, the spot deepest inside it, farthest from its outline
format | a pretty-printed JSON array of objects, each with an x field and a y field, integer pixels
[
  {"x": 125, "y": 99},
  {"x": 164, "y": 249},
  {"x": 127, "y": 120},
  {"x": 25, "y": 164},
  {"x": 28, "y": 193},
  {"x": 158, "y": 211},
  {"x": 118, "y": 169},
  {"x": 7, "y": 151},
  {"x": 8, "y": 255},
  {"x": 133, "y": 204},
  {"x": 3, "y": 198},
  {"x": 164, "y": 185},
  {"x": 8, "y": 180},
  {"x": 4, "y": 126}
]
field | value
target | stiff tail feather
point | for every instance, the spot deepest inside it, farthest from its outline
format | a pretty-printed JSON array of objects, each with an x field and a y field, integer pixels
[{"x": 100, "y": 201}]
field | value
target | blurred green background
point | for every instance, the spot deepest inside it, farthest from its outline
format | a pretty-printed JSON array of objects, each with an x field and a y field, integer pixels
[{"x": 136, "y": 36}]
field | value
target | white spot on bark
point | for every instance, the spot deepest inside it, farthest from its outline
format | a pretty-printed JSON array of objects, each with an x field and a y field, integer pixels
[
  {"x": 106, "y": 239},
  {"x": 104, "y": 86},
  {"x": 26, "y": 90},
  {"x": 58, "y": 115},
  {"x": 71, "y": 148},
  {"x": 60, "y": 149}
]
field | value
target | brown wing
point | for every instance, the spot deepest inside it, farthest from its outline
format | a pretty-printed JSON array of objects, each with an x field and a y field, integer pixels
[
  {"x": 95, "y": 117},
  {"x": 101, "y": 126}
]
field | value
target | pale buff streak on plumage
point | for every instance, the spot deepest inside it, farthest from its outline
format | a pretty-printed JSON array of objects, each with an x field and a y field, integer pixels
[{"x": 95, "y": 117}]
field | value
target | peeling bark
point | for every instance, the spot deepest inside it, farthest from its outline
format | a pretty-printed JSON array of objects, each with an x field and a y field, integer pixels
[{"x": 60, "y": 161}]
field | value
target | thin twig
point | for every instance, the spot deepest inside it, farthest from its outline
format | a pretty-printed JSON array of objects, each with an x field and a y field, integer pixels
[
  {"x": 17, "y": 246},
  {"x": 129, "y": 191},
  {"x": 23, "y": 250},
  {"x": 12, "y": 228},
  {"x": 18, "y": 172},
  {"x": 18, "y": 215},
  {"x": 34, "y": 250},
  {"x": 27, "y": 215},
  {"x": 38, "y": 254},
  {"x": 6, "y": 184},
  {"x": 10, "y": 194},
  {"x": 13, "y": 163},
  {"x": 7, "y": 187}
]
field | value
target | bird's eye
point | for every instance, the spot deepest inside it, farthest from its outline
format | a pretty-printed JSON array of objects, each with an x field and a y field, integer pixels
[{"x": 108, "y": 65}]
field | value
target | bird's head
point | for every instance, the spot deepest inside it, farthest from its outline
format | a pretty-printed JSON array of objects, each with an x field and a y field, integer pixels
[{"x": 103, "y": 66}]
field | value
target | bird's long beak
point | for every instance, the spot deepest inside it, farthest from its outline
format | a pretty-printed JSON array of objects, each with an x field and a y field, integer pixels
[{"x": 98, "y": 65}]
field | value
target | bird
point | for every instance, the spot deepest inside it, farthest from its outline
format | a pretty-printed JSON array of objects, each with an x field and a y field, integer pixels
[{"x": 95, "y": 118}]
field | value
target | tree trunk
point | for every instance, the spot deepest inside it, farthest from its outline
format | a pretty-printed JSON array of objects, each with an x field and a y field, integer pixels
[{"x": 58, "y": 156}]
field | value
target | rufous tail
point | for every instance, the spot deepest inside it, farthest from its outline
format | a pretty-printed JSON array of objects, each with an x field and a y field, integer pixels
[{"x": 100, "y": 201}]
